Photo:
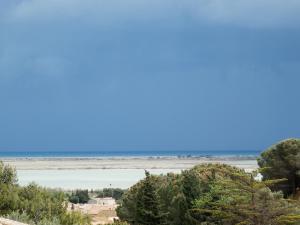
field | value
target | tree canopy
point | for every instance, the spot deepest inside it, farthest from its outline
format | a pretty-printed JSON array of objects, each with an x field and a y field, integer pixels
[
  {"x": 33, "y": 204},
  {"x": 148, "y": 205},
  {"x": 209, "y": 194},
  {"x": 80, "y": 196},
  {"x": 280, "y": 161}
]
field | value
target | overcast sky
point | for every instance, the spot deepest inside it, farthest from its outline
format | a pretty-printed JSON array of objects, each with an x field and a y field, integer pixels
[{"x": 148, "y": 74}]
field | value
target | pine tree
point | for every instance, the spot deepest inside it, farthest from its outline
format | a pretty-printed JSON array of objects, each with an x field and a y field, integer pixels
[
  {"x": 282, "y": 161},
  {"x": 245, "y": 201},
  {"x": 148, "y": 205}
]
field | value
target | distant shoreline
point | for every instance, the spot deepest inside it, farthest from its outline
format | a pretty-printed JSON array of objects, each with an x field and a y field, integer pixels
[
  {"x": 100, "y": 172},
  {"x": 132, "y": 162}
]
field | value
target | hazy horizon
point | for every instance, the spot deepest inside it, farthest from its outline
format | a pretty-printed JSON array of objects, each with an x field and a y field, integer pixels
[{"x": 149, "y": 75}]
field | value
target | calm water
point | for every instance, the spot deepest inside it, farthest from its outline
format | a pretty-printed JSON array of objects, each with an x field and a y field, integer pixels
[
  {"x": 86, "y": 179},
  {"x": 100, "y": 178},
  {"x": 126, "y": 153}
]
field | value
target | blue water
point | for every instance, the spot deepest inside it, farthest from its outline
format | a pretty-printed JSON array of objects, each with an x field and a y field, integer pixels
[{"x": 194, "y": 153}]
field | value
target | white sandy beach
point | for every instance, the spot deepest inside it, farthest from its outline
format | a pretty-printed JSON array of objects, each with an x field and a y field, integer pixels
[{"x": 97, "y": 173}]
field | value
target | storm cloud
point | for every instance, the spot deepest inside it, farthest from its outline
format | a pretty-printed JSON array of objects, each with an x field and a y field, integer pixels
[{"x": 140, "y": 74}]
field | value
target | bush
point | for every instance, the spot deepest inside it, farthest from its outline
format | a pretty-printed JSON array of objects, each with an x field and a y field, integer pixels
[
  {"x": 33, "y": 204},
  {"x": 20, "y": 217},
  {"x": 75, "y": 218},
  {"x": 8, "y": 189},
  {"x": 115, "y": 193},
  {"x": 80, "y": 196}
]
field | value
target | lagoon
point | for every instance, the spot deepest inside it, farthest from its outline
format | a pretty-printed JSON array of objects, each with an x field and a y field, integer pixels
[{"x": 86, "y": 178}]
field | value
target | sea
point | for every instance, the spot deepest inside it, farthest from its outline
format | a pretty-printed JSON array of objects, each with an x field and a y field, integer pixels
[{"x": 131, "y": 153}]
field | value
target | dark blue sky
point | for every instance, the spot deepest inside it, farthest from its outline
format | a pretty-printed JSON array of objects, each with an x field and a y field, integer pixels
[{"x": 148, "y": 75}]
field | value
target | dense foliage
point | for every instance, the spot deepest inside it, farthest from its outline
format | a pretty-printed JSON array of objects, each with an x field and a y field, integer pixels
[
  {"x": 209, "y": 194},
  {"x": 33, "y": 204},
  {"x": 115, "y": 193},
  {"x": 80, "y": 196},
  {"x": 148, "y": 208},
  {"x": 282, "y": 161},
  {"x": 72, "y": 218}
]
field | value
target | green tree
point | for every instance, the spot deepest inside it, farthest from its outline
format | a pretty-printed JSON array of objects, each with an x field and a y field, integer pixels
[
  {"x": 8, "y": 189},
  {"x": 116, "y": 193},
  {"x": 173, "y": 202},
  {"x": 243, "y": 200},
  {"x": 191, "y": 187},
  {"x": 40, "y": 203},
  {"x": 80, "y": 196},
  {"x": 282, "y": 161},
  {"x": 74, "y": 199},
  {"x": 148, "y": 205},
  {"x": 214, "y": 194},
  {"x": 127, "y": 210},
  {"x": 34, "y": 204},
  {"x": 8, "y": 174},
  {"x": 129, "y": 206}
]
